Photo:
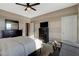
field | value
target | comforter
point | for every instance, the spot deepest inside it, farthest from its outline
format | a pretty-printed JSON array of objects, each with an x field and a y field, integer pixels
[{"x": 19, "y": 46}]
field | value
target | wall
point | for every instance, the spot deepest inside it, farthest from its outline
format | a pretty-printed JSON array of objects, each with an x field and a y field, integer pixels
[
  {"x": 2, "y": 24},
  {"x": 54, "y": 20},
  {"x": 78, "y": 23},
  {"x": 31, "y": 34},
  {"x": 7, "y": 15},
  {"x": 55, "y": 29}
]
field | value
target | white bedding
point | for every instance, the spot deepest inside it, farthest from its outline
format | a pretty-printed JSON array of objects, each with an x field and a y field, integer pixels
[{"x": 18, "y": 46}]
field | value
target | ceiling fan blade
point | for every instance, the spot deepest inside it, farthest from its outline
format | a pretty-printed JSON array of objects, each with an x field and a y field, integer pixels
[
  {"x": 33, "y": 9},
  {"x": 21, "y": 4},
  {"x": 25, "y": 9},
  {"x": 35, "y": 4}
]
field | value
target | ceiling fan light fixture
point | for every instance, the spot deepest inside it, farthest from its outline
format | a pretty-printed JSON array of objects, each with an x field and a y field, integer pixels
[{"x": 28, "y": 8}]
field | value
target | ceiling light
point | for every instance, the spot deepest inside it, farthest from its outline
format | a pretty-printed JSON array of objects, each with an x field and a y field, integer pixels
[{"x": 28, "y": 8}]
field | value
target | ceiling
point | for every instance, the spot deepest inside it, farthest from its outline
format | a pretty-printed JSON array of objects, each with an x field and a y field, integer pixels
[{"x": 43, "y": 8}]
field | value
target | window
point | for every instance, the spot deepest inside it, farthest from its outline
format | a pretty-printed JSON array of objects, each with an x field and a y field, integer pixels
[{"x": 8, "y": 26}]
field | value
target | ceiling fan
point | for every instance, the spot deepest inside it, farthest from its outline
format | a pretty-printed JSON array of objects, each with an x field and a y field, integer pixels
[{"x": 28, "y": 6}]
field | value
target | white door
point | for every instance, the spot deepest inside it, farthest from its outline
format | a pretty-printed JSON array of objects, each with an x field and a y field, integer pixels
[{"x": 69, "y": 28}]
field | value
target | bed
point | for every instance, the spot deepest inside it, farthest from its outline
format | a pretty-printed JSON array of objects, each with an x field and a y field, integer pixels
[{"x": 19, "y": 46}]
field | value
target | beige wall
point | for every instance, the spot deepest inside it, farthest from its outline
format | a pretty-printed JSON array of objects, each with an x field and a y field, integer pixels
[
  {"x": 2, "y": 24},
  {"x": 54, "y": 20},
  {"x": 7, "y": 15},
  {"x": 55, "y": 29},
  {"x": 78, "y": 24},
  {"x": 31, "y": 30}
]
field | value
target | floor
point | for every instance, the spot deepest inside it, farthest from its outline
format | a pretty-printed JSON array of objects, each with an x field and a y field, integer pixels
[
  {"x": 64, "y": 50},
  {"x": 37, "y": 53},
  {"x": 69, "y": 50}
]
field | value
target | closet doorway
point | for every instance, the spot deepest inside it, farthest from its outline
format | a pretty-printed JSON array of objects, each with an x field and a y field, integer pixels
[
  {"x": 27, "y": 29},
  {"x": 69, "y": 28}
]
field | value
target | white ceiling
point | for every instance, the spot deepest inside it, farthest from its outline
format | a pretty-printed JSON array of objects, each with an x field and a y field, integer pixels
[{"x": 43, "y": 8}]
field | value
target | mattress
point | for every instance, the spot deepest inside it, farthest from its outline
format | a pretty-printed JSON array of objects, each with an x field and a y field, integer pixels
[{"x": 19, "y": 46}]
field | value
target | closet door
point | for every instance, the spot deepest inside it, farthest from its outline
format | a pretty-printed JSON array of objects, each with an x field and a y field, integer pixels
[{"x": 69, "y": 28}]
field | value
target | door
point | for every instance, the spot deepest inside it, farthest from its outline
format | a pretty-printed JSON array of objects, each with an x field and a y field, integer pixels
[
  {"x": 69, "y": 28},
  {"x": 27, "y": 29}
]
